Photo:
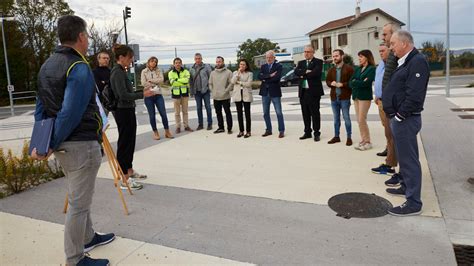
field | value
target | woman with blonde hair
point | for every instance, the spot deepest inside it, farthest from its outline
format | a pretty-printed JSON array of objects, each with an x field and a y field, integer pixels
[{"x": 152, "y": 78}]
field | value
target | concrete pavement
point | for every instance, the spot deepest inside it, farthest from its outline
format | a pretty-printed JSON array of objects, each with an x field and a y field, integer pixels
[{"x": 216, "y": 199}]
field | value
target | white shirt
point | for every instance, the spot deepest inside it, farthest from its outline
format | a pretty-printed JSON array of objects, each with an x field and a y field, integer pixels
[{"x": 401, "y": 61}]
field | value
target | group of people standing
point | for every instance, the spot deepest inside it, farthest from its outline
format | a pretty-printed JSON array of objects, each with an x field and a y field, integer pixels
[
  {"x": 400, "y": 81},
  {"x": 67, "y": 92}
]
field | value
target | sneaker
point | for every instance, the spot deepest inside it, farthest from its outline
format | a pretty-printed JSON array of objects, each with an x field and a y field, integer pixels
[
  {"x": 393, "y": 181},
  {"x": 88, "y": 261},
  {"x": 366, "y": 146},
  {"x": 99, "y": 240},
  {"x": 136, "y": 175},
  {"x": 358, "y": 146},
  {"x": 396, "y": 191},
  {"x": 219, "y": 130},
  {"x": 405, "y": 209},
  {"x": 383, "y": 169},
  {"x": 132, "y": 184}
]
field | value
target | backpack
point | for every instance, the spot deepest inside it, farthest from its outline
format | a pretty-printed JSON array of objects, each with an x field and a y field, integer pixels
[{"x": 109, "y": 101}]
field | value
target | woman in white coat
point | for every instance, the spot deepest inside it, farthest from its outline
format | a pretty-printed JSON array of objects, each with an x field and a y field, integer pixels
[{"x": 242, "y": 96}]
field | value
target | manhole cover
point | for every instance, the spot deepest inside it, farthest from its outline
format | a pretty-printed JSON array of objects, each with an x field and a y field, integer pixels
[{"x": 359, "y": 205}]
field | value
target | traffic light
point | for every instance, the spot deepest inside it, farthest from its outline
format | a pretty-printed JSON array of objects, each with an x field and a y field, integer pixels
[{"x": 128, "y": 12}]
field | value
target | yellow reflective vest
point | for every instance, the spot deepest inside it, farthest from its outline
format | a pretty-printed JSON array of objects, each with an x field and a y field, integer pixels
[{"x": 179, "y": 83}]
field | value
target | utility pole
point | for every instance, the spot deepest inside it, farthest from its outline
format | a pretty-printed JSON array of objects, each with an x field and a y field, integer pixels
[
  {"x": 448, "y": 82},
  {"x": 10, "y": 86},
  {"x": 408, "y": 19}
]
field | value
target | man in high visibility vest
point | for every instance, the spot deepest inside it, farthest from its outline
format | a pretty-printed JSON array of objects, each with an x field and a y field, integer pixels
[{"x": 179, "y": 80}]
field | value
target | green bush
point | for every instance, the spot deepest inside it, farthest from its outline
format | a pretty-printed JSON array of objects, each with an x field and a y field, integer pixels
[{"x": 20, "y": 173}]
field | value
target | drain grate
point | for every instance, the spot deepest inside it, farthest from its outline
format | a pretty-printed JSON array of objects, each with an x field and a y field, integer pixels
[
  {"x": 359, "y": 205},
  {"x": 466, "y": 116},
  {"x": 464, "y": 254}
]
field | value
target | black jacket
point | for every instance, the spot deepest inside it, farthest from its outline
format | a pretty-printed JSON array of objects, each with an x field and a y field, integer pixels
[
  {"x": 270, "y": 85},
  {"x": 52, "y": 80},
  {"x": 314, "y": 78},
  {"x": 405, "y": 93},
  {"x": 123, "y": 88}
]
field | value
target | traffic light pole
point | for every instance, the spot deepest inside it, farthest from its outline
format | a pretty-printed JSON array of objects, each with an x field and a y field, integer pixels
[{"x": 125, "y": 27}]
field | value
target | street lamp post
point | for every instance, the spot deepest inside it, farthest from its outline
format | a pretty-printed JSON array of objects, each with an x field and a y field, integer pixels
[
  {"x": 448, "y": 82},
  {"x": 10, "y": 88}
]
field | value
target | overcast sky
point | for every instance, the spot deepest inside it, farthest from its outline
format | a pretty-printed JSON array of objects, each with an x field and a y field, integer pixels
[{"x": 160, "y": 25}]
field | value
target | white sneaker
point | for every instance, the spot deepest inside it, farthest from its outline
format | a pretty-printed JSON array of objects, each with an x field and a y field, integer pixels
[
  {"x": 132, "y": 184},
  {"x": 136, "y": 175},
  {"x": 358, "y": 147},
  {"x": 366, "y": 146}
]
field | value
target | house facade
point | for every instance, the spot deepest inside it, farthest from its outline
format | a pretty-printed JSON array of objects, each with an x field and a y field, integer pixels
[{"x": 351, "y": 34}]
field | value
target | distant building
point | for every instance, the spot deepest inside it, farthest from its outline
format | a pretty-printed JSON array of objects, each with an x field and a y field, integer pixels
[
  {"x": 298, "y": 54},
  {"x": 351, "y": 34}
]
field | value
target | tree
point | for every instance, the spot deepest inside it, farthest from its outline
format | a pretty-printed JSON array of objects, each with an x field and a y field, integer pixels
[
  {"x": 434, "y": 51},
  {"x": 101, "y": 40},
  {"x": 249, "y": 49},
  {"x": 37, "y": 20},
  {"x": 17, "y": 56}
]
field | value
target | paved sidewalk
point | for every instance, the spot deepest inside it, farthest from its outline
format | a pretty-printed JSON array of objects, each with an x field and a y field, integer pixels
[{"x": 216, "y": 199}]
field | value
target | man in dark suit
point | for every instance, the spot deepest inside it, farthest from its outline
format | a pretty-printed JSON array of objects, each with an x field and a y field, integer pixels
[
  {"x": 270, "y": 90},
  {"x": 310, "y": 92}
]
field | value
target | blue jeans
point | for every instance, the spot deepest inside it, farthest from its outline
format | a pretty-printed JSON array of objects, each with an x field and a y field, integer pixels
[
  {"x": 207, "y": 102},
  {"x": 150, "y": 103},
  {"x": 337, "y": 106},
  {"x": 266, "y": 100}
]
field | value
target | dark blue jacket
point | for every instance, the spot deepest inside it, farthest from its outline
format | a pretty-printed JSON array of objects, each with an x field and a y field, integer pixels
[
  {"x": 66, "y": 91},
  {"x": 405, "y": 93},
  {"x": 270, "y": 85}
]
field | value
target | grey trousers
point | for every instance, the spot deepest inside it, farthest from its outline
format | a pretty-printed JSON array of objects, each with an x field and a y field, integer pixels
[
  {"x": 80, "y": 161},
  {"x": 406, "y": 148}
]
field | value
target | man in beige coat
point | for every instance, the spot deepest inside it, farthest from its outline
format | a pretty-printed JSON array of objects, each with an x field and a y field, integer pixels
[{"x": 220, "y": 86}]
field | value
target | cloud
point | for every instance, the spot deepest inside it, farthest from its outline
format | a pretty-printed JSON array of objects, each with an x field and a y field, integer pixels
[{"x": 166, "y": 24}]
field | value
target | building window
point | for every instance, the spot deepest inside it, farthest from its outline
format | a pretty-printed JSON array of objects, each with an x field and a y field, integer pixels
[
  {"x": 315, "y": 44},
  {"x": 376, "y": 35},
  {"x": 376, "y": 18},
  {"x": 342, "y": 39},
  {"x": 327, "y": 50}
]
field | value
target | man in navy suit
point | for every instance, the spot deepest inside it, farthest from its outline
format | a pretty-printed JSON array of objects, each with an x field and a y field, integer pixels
[
  {"x": 402, "y": 102},
  {"x": 310, "y": 91},
  {"x": 270, "y": 90}
]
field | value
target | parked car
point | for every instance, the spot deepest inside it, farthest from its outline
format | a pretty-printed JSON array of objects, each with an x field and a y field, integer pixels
[{"x": 289, "y": 79}]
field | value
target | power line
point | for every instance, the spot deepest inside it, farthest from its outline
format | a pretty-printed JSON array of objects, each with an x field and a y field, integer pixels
[
  {"x": 221, "y": 43},
  {"x": 442, "y": 33}
]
